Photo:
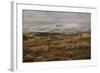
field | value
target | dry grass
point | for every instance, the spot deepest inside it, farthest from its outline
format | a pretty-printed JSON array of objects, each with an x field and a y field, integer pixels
[{"x": 56, "y": 47}]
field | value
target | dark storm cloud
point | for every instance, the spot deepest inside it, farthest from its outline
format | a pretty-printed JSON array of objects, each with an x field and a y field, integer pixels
[{"x": 49, "y": 21}]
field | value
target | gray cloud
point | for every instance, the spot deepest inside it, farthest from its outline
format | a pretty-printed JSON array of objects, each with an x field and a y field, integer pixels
[{"x": 47, "y": 21}]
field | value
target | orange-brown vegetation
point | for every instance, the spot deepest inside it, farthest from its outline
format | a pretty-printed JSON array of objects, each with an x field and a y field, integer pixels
[{"x": 56, "y": 47}]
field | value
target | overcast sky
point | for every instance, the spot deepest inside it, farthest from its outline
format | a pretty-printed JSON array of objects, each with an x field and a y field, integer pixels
[{"x": 50, "y": 21}]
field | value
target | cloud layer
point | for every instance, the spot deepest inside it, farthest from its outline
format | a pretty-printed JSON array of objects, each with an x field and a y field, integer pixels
[{"x": 50, "y": 21}]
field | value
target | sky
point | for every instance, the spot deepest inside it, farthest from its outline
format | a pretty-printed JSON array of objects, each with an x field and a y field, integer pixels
[{"x": 54, "y": 21}]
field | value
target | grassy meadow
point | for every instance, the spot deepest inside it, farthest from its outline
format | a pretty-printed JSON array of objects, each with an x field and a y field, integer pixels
[{"x": 39, "y": 47}]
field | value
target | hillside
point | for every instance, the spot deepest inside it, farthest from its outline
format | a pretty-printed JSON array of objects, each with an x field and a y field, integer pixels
[{"x": 56, "y": 46}]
